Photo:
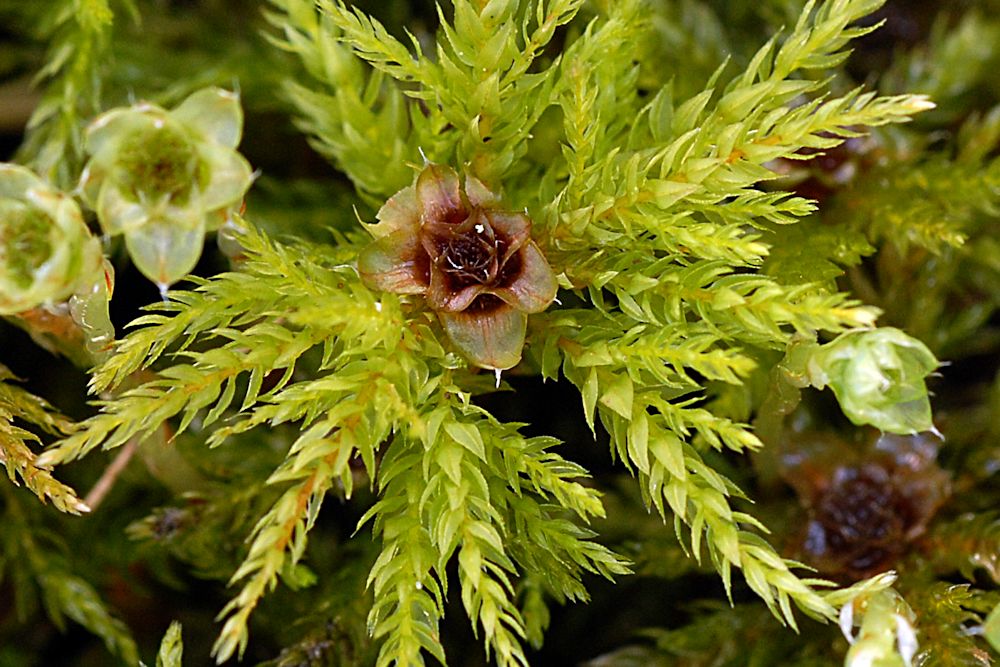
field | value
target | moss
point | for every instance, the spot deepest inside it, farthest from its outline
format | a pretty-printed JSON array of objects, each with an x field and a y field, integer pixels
[
  {"x": 27, "y": 240},
  {"x": 718, "y": 210},
  {"x": 158, "y": 162}
]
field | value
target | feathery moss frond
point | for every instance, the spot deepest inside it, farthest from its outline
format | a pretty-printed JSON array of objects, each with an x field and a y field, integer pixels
[
  {"x": 79, "y": 34},
  {"x": 973, "y": 543},
  {"x": 927, "y": 205},
  {"x": 17, "y": 457},
  {"x": 64, "y": 593},
  {"x": 171, "y": 648},
  {"x": 370, "y": 384},
  {"x": 942, "y": 611}
]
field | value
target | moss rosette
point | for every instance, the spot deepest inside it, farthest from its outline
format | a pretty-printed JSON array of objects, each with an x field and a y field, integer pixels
[
  {"x": 163, "y": 178},
  {"x": 474, "y": 263},
  {"x": 878, "y": 378},
  {"x": 46, "y": 251}
]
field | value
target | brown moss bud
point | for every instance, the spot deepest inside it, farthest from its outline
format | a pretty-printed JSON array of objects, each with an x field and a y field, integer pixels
[{"x": 475, "y": 263}]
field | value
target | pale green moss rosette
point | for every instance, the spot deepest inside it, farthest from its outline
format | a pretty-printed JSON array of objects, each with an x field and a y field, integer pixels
[
  {"x": 878, "y": 378},
  {"x": 46, "y": 251},
  {"x": 163, "y": 178}
]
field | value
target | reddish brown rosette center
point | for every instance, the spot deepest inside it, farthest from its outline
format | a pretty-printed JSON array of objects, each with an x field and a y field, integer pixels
[
  {"x": 866, "y": 504},
  {"x": 862, "y": 520},
  {"x": 471, "y": 254},
  {"x": 469, "y": 259}
]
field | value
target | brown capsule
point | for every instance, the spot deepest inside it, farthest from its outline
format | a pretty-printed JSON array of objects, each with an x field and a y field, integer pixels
[{"x": 865, "y": 506}]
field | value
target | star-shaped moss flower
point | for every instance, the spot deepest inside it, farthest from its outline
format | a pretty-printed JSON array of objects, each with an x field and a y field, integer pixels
[
  {"x": 163, "y": 178},
  {"x": 475, "y": 263},
  {"x": 46, "y": 251},
  {"x": 878, "y": 378}
]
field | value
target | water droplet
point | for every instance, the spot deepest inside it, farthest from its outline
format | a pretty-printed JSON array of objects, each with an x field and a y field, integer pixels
[
  {"x": 378, "y": 306},
  {"x": 420, "y": 586}
]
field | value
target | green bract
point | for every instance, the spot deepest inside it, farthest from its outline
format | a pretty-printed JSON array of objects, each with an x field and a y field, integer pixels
[
  {"x": 46, "y": 250},
  {"x": 878, "y": 377},
  {"x": 164, "y": 178}
]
